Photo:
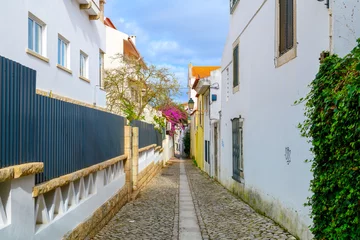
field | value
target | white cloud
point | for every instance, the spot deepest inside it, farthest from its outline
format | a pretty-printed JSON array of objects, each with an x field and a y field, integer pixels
[{"x": 132, "y": 28}]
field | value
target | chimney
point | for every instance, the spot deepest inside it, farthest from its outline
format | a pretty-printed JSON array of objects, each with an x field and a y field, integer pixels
[
  {"x": 102, "y": 7},
  {"x": 133, "y": 39}
]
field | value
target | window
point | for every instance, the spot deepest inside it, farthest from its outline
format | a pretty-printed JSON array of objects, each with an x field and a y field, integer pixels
[
  {"x": 35, "y": 34},
  {"x": 207, "y": 151},
  {"x": 83, "y": 65},
  {"x": 286, "y": 25},
  {"x": 233, "y": 4},
  {"x": 286, "y": 31},
  {"x": 237, "y": 145},
  {"x": 101, "y": 69},
  {"x": 63, "y": 52},
  {"x": 236, "y": 66}
]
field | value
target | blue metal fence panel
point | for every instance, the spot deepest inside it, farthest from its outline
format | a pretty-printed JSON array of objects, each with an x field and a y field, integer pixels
[
  {"x": 148, "y": 135},
  {"x": 64, "y": 136}
]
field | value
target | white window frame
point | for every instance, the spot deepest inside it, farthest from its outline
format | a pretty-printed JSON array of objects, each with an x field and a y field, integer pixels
[
  {"x": 281, "y": 59},
  {"x": 84, "y": 72},
  {"x": 42, "y": 51},
  {"x": 66, "y": 64}
]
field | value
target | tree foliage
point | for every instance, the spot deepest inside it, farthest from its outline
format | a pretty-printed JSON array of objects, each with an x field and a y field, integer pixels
[
  {"x": 133, "y": 86},
  {"x": 333, "y": 126}
]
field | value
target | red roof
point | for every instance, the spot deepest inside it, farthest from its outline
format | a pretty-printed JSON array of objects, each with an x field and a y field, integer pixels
[{"x": 109, "y": 23}]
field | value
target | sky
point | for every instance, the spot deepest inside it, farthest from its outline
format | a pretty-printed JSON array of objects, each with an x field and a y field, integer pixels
[{"x": 174, "y": 33}]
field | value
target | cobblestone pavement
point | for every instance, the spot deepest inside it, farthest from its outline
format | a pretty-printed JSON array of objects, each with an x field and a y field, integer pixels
[
  {"x": 226, "y": 217},
  {"x": 151, "y": 215},
  {"x": 155, "y": 213}
]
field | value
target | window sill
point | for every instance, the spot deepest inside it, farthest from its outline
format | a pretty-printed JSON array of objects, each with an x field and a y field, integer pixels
[
  {"x": 236, "y": 89},
  {"x": 84, "y": 79},
  {"x": 286, "y": 57},
  {"x": 37, "y": 55},
  {"x": 238, "y": 179},
  {"x": 64, "y": 68}
]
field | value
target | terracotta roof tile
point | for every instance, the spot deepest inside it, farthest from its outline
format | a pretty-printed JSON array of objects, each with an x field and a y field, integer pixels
[{"x": 109, "y": 23}]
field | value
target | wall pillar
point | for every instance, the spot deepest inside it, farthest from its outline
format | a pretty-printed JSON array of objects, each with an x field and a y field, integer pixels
[
  {"x": 128, "y": 162},
  {"x": 135, "y": 157}
]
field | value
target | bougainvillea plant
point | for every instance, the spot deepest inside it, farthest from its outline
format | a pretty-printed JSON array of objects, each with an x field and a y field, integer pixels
[{"x": 176, "y": 115}]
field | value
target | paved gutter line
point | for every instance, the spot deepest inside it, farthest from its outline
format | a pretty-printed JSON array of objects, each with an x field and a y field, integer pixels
[
  {"x": 188, "y": 221},
  {"x": 203, "y": 229}
]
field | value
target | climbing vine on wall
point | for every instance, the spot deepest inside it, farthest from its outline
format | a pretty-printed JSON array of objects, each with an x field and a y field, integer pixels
[{"x": 332, "y": 123}]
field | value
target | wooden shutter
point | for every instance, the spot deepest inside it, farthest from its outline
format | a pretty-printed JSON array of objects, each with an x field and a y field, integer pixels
[{"x": 286, "y": 25}]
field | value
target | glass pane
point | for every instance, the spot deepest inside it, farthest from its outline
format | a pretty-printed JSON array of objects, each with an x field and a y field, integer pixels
[
  {"x": 59, "y": 51},
  {"x": 31, "y": 34},
  {"x": 290, "y": 24},
  {"x": 38, "y": 38},
  {"x": 81, "y": 65},
  {"x": 65, "y": 54},
  {"x": 282, "y": 26},
  {"x": 236, "y": 66}
]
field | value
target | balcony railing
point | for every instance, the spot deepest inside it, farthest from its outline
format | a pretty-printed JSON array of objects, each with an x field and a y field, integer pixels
[{"x": 233, "y": 4}]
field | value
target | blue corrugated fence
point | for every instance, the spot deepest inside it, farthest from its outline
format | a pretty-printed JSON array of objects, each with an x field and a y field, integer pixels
[{"x": 65, "y": 136}]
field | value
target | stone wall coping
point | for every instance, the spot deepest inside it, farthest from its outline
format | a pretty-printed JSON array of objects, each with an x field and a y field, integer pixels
[
  {"x": 19, "y": 171},
  {"x": 158, "y": 148},
  {"x": 161, "y": 150},
  {"x": 66, "y": 179},
  {"x": 147, "y": 148}
]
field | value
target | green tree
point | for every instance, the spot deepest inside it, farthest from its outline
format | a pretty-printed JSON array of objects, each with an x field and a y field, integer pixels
[{"x": 133, "y": 86}]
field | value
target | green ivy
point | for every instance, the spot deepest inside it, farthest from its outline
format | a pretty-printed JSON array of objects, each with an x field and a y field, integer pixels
[{"x": 332, "y": 123}]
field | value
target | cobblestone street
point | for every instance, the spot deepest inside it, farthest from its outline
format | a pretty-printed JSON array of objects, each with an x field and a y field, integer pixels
[{"x": 183, "y": 203}]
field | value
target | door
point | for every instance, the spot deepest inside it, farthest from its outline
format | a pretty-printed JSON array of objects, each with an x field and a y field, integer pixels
[{"x": 216, "y": 150}]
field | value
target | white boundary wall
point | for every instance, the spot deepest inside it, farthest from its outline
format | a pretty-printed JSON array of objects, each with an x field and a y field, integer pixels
[{"x": 53, "y": 214}]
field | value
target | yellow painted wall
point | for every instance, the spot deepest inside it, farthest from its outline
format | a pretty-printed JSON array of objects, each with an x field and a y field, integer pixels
[
  {"x": 192, "y": 136},
  {"x": 200, "y": 133}
]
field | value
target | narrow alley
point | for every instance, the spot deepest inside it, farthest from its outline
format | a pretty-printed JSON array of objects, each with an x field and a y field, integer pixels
[{"x": 183, "y": 203}]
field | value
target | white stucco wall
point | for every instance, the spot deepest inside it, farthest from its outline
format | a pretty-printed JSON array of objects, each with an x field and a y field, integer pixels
[
  {"x": 114, "y": 45},
  {"x": 265, "y": 100},
  {"x": 60, "y": 17},
  {"x": 215, "y": 106},
  {"x": 346, "y": 25},
  {"x": 22, "y": 209}
]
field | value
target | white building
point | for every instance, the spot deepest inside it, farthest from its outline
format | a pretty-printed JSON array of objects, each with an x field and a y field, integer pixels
[
  {"x": 63, "y": 41},
  {"x": 122, "y": 44},
  {"x": 212, "y": 118},
  {"x": 271, "y": 55}
]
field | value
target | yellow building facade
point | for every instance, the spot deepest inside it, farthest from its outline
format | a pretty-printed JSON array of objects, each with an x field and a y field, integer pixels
[{"x": 196, "y": 75}]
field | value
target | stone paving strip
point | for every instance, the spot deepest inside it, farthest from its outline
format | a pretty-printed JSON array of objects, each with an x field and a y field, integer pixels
[
  {"x": 152, "y": 215},
  {"x": 188, "y": 222},
  {"x": 223, "y": 216}
]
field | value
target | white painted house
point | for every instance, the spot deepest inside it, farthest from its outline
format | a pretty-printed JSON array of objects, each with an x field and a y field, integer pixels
[
  {"x": 271, "y": 55},
  {"x": 63, "y": 41},
  {"x": 119, "y": 43}
]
